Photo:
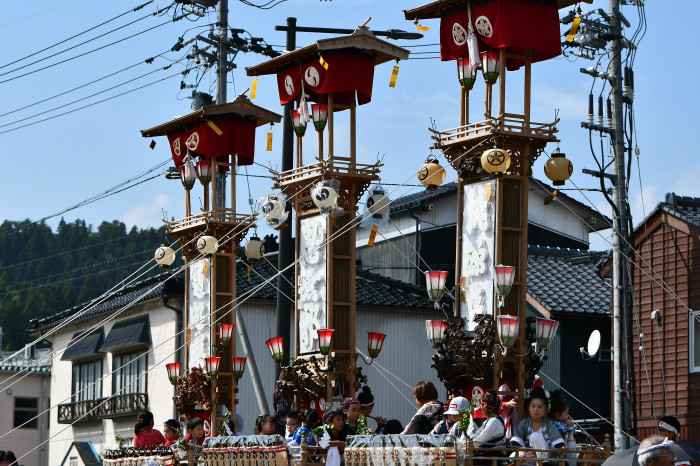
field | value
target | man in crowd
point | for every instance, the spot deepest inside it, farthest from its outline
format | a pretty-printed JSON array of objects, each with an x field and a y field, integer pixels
[{"x": 655, "y": 450}]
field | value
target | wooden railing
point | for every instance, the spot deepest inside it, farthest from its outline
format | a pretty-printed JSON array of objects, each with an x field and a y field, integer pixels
[
  {"x": 103, "y": 408},
  {"x": 506, "y": 124},
  {"x": 327, "y": 168},
  {"x": 215, "y": 215}
]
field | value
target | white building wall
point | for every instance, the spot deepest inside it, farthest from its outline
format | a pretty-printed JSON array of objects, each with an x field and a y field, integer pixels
[{"x": 555, "y": 217}]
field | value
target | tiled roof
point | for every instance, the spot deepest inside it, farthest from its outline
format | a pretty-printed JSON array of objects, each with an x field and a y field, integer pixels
[
  {"x": 18, "y": 363},
  {"x": 567, "y": 280},
  {"x": 685, "y": 208},
  {"x": 413, "y": 201}
]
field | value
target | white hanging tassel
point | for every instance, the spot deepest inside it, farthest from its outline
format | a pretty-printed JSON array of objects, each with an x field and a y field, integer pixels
[
  {"x": 304, "y": 115},
  {"x": 472, "y": 43},
  {"x": 190, "y": 172}
]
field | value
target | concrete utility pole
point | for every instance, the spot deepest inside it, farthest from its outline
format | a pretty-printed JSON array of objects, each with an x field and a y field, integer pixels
[{"x": 222, "y": 52}]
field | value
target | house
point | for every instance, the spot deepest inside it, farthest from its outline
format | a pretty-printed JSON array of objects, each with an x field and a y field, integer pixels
[
  {"x": 666, "y": 254},
  {"x": 24, "y": 396}
]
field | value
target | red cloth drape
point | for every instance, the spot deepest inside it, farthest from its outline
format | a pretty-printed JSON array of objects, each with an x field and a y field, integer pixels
[
  {"x": 516, "y": 24},
  {"x": 238, "y": 138}
]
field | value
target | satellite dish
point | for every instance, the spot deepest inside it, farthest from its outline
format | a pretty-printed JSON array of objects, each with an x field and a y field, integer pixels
[{"x": 593, "y": 343}]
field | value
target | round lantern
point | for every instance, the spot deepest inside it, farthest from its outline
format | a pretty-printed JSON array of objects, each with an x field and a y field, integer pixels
[
  {"x": 238, "y": 365},
  {"x": 325, "y": 335},
  {"x": 173, "y": 371},
  {"x": 435, "y": 283},
  {"x": 273, "y": 209},
  {"x": 325, "y": 196},
  {"x": 254, "y": 248},
  {"x": 495, "y": 160},
  {"x": 204, "y": 171},
  {"x": 491, "y": 66},
  {"x": 319, "y": 113},
  {"x": 508, "y": 328},
  {"x": 187, "y": 175},
  {"x": 466, "y": 74},
  {"x": 276, "y": 347},
  {"x": 431, "y": 175},
  {"x": 375, "y": 341},
  {"x": 436, "y": 331},
  {"x": 212, "y": 365},
  {"x": 225, "y": 331},
  {"x": 378, "y": 202},
  {"x": 503, "y": 278},
  {"x": 545, "y": 330},
  {"x": 299, "y": 127},
  {"x": 207, "y": 245},
  {"x": 558, "y": 168},
  {"x": 165, "y": 256}
]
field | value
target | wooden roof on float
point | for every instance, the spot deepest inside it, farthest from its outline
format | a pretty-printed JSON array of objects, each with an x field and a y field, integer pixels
[
  {"x": 362, "y": 39},
  {"x": 240, "y": 107},
  {"x": 435, "y": 9}
]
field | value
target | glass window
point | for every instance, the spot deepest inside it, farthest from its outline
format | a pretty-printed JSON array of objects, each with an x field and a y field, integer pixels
[
  {"x": 129, "y": 373},
  {"x": 695, "y": 342},
  {"x": 26, "y": 409},
  {"x": 87, "y": 380}
]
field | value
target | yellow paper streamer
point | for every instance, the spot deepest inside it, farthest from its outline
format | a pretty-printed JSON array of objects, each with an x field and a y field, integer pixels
[
  {"x": 216, "y": 129},
  {"x": 269, "y": 142},
  {"x": 372, "y": 235},
  {"x": 394, "y": 75},
  {"x": 422, "y": 28},
  {"x": 572, "y": 31},
  {"x": 253, "y": 88},
  {"x": 250, "y": 267},
  {"x": 323, "y": 62},
  {"x": 487, "y": 187}
]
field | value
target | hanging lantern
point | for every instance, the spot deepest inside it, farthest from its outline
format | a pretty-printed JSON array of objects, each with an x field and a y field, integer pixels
[
  {"x": 273, "y": 209},
  {"x": 207, "y": 245},
  {"x": 238, "y": 365},
  {"x": 435, "y": 282},
  {"x": 545, "y": 330},
  {"x": 204, "y": 171},
  {"x": 436, "y": 331},
  {"x": 508, "y": 328},
  {"x": 378, "y": 203},
  {"x": 165, "y": 256},
  {"x": 325, "y": 196},
  {"x": 325, "y": 335},
  {"x": 503, "y": 281},
  {"x": 495, "y": 160},
  {"x": 299, "y": 127},
  {"x": 173, "y": 371},
  {"x": 431, "y": 175},
  {"x": 187, "y": 176},
  {"x": 319, "y": 113},
  {"x": 212, "y": 365},
  {"x": 491, "y": 66},
  {"x": 558, "y": 168},
  {"x": 375, "y": 341},
  {"x": 466, "y": 74},
  {"x": 254, "y": 249},
  {"x": 225, "y": 331},
  {"x": 276, "y": 347}
]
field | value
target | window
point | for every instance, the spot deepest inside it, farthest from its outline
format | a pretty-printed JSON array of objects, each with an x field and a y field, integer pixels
[
  {"x": 695, "y": 342},
  {"x": 132, "y": 377},
  {"x": 26, "y": 409},
  {"x": 87, "y": 380}
]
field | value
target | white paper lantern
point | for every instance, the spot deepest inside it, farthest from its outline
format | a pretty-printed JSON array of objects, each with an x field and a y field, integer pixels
[
  {"x": 165, "y": 256},
  {"x": 325, "y": 196},
  {"x": 273, "y": 209},
  {"x": 207, "y": 245}
]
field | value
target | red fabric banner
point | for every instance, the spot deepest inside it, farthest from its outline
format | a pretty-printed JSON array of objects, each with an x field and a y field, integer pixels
[
  {"x": 238, "y": 138},
  {"x": 516, "y": 24},
  {"x": 345, "y": 73}
]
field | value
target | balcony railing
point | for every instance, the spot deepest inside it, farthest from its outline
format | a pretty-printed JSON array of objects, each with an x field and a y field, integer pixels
[{"x": 102, "y": 408}]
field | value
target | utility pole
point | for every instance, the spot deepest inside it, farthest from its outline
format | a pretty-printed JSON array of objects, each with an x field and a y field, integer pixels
[{"x": 222, "y": 54}]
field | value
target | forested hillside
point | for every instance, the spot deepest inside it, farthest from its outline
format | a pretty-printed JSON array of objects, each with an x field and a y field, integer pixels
[{"x": 43, "y": 272}]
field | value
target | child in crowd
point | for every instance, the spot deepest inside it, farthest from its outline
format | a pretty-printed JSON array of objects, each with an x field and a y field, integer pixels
[
  {"x": 452, "y": 415},
  {"x": 265, "y": 425},
  {"x": 195, "y": 431},
  {"x": 144, "y": 433},
  {"x": 492, "y": 431},
  {"x": 537, "y": 431},
  {"x": 392, "y": 427},
  {"x": 293, "y": 422},
  {"x": 559, "y": 414},
  {"x": 171, "y": 430},
  {"x": 309, "y": 420},
  {"x": 339, "y": 430},
  {"x": 367, "y": 405},
  {"x": 509, "y": 403},
  {"x": 670, "y": 428},
  {"x": 352, "y": 408}
]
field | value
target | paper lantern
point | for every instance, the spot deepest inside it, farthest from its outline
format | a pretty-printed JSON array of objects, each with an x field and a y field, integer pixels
[
  {"x": 187, "y": 176},
  {"x": 508, "y": 328},
  {"x": 165, "y": 256},
  {"x": 431, "y": 174},
  {"x": 299, "y": 127},
  {"x": 319, "y": 113},
  {"x": 436, "y": 331},
  {"x": 204, "y": 171},
  {"x": 276, "y": 347},
  {"x": 254, "y": 249},
  {"x": 273, "y": 209},
  {"x": 238, "y": 365},
  {"x": 207, "y": 245},
  {"x": 325, "y": 335},
  {"x": 495, "y": 160},
  {"x": 378, "y": 202},
  {"x": 212, "y": 365},
  {"x": 503, "y": 278},
  {"x": 435, "y": 283},
  {"x": 325, "y": 196},
  {"x": 491, "y": 66},
  {"x": 375, "y": 341},
  {"x": 173, "y": 371},
  {"x": 466, "y": 74},
  {"x": 545, "y": 330},
  {"x": 558, "y": 168},
  {"x": 225, "y": 331}
]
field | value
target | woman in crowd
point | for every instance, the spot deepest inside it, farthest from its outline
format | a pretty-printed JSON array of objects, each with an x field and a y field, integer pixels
[
  {"x": 366, "y": 400},
  {"x": 144, "y": 433},
  {"x": 426, "y": 396}
]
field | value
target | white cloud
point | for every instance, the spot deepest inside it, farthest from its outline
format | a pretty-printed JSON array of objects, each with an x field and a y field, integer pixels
[{"x": 150, "y": 213}]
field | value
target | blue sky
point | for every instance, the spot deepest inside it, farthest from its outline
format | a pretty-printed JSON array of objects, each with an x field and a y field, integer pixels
[{"x": 52, "y": 165}]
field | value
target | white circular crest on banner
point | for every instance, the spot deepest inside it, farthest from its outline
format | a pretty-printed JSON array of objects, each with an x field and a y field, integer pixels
[
  {"x": 477, "y": 392},
  {"x": 289, "y": 84},
  {"x": 176, "y": 147},
  {"x": 483, "y": 26},
  {"x": 459, "y": 34},
  {"x": 192, "y": 141},
  {"x": 311, "y": 76}
]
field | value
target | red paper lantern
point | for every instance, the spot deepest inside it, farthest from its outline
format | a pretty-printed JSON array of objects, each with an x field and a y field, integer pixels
[
  {"x": 319, "y": 113},
  {"x": 187, "y": 177},
  {"x": 238, "y": 365},
  {"x": 225, "y": 331},
  {"x": 435, "y": 283},
  {"x": 466, "y": 74},
  {"x": 491, "y": 66},
  {"x": 204, "y": 171},
  {"x": 508, "y": 329},
  {"x": 173, "y": 371},
  {"x": 545, "y": 330},
  {"x": 503, "y": 279},
  {"x": 436, "y": 331},
  {"x": 276, "y": 347},
  {"x": 299, "y": 127},
  {"x": 375, "y": 341},
  {"x": 325, "y": 335},
  {"x": 212, "y": 365}
]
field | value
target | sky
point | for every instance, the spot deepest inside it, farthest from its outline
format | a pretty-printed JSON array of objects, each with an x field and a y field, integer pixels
[{"x": 52, "y": 165}]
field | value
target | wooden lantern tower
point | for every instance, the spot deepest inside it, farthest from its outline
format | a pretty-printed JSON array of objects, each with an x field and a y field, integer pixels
[
  {"x": 216, "y": 136},
  {"x": 492, "y": 225},
  {"x": 338, "y": 73}
]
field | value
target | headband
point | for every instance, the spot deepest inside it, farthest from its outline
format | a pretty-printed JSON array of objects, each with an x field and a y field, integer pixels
[
  {"x": 487, "y": 406},
  {"x": 367, "y": 405},
  {"x": 667, "y": 426},
  {"x": 351, "y": 401},
  {"x": 665, "y": 444}
]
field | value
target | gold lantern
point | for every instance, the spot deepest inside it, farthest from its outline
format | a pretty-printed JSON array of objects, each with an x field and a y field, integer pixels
[
  {"x": 558, "y": 168},
  {"x": 431, "y": 174},
  {"x": 495, "y": 160}
]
